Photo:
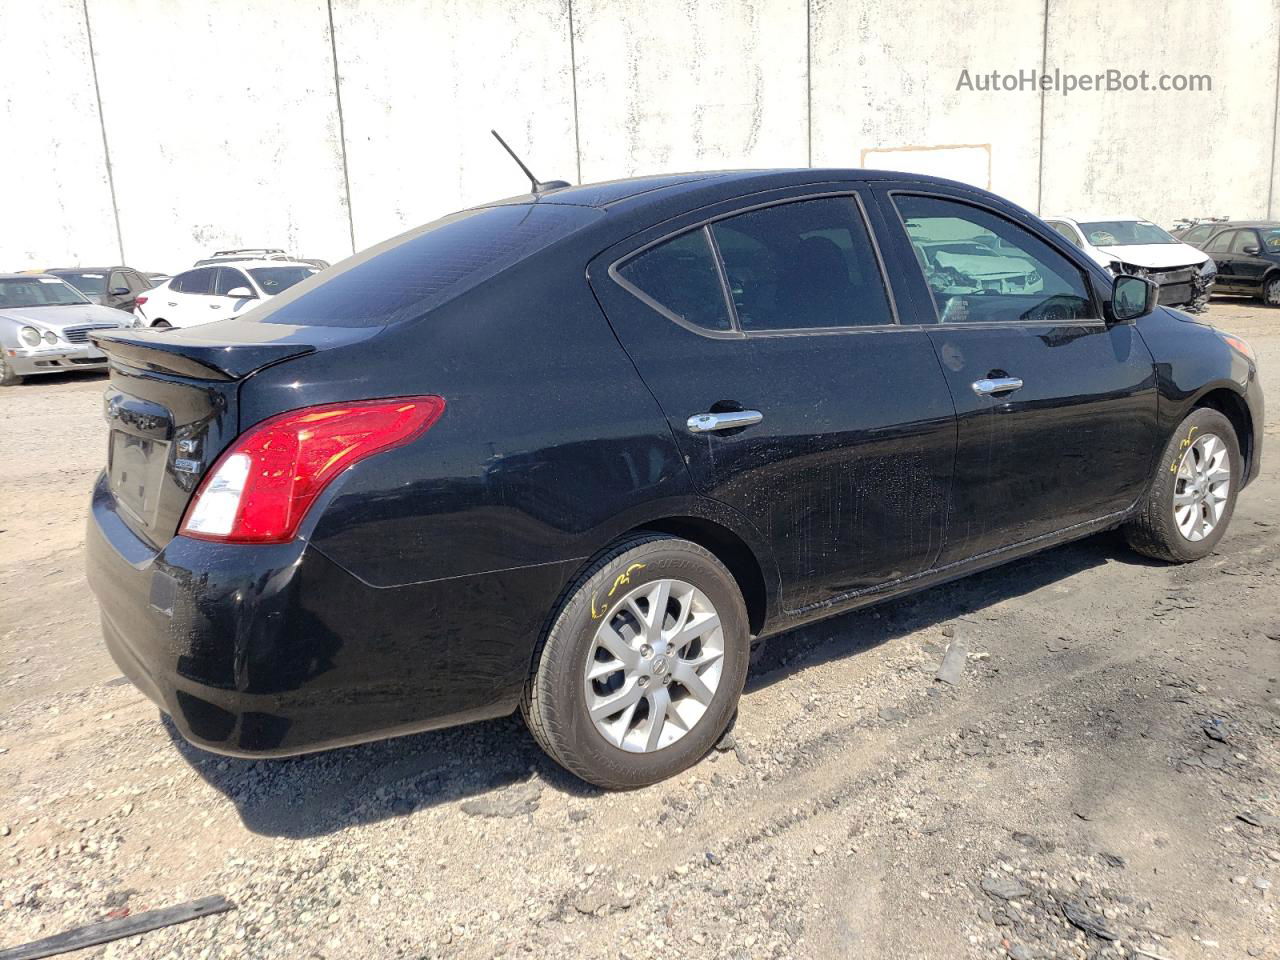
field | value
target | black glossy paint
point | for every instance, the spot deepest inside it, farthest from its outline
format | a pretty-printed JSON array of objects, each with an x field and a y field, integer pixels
[{"x": 419, "y": 582}]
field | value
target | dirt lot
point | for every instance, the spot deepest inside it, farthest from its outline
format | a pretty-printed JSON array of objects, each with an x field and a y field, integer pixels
[{"x": 1105, "y": 781}]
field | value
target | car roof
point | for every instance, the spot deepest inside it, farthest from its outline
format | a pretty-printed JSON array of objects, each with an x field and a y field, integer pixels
[
  {"x": 1103, "y": 218},
  {"x": 243, "y": 264},
  {"x": 24, "y": 276},
  {"x": 1245, "y": 223},
  {"x": 636, "y": 191}
]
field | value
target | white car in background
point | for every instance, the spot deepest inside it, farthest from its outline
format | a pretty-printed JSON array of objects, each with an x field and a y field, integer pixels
[
  {"x": 218, "y": 291},
  {"x": 1137, "y": 247}
]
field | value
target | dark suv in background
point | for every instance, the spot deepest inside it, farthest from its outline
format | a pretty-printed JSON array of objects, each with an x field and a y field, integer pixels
[
  {"x": 571, "y": 452},
  {"x": 1247, "y": 253},
  {"x": 116, "y": 287}
]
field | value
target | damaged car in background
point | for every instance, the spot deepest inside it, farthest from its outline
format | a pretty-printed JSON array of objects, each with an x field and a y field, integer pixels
[
  {"x": 970, "y": 266},
  {"x": 1140, "y": 248},
  {"x": 45, "y": 325}
]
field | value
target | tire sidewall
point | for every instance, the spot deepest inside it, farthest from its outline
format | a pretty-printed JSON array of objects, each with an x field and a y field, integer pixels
[
  {"x": 1198, "y": 424},
  {"x": 583, "y": 746}
]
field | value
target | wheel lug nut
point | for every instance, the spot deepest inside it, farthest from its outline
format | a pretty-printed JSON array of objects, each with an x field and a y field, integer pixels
[
  {"x": 666, "y": 681},
  {"x": 646, "y": 650},
  {"x": 643, "y": 681}
]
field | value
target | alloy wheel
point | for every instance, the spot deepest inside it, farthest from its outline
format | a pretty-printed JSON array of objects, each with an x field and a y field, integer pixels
[
  {"x": 654, "y": 666},
  {"x": 1271, "y": 295},
  {"x": 1202, "y": 486}
]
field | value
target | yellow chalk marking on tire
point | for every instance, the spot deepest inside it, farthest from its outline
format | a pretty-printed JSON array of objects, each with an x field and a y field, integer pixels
[{"x": 621, "y": 580}]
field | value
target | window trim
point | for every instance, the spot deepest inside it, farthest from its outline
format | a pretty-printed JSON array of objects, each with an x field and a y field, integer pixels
[
  {"x": 736, "y": 332},
  {"x": 1085, "y": 275}
]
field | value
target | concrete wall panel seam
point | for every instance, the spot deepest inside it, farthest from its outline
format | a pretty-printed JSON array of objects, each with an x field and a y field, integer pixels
[
  {"x": 573, "y": 76},
  {"x": 102, "y": 126},
  {"x": 808, "y": 76},
  {"x": 1275, "y": 136},
  {"x": 1044, "y": 66},
  {"x": 342, "y": 127}
]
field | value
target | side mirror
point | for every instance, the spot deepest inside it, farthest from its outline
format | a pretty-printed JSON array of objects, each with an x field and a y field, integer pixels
[
  {"x": 242, "y": 293},
  {"x": 1251, "y": 250},
  {"x": 1131, "y": 298},
  {"x": 119, "y": 291}
]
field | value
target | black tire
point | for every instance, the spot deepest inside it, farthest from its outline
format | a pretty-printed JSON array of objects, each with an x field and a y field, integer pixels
[
  {"x": 555, "y": 703},
  {"x": 1153, "y": 531},
  {"x": 7, "y": 377},
  {"x": 162, "y": 325},
  {"x": 1270, "y": 295}
]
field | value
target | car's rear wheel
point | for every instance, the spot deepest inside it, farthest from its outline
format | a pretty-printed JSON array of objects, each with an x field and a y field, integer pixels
[
  {"x": 1271, "y": 291},
  {"x": 642, "y": 665},
  {"x": 7, "y": 377},
  {"x": 1193, "y": 494}
]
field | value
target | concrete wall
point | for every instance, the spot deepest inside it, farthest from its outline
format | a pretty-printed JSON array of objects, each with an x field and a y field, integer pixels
[
  {"x": 1205, "y": 153},
  {"x": 55, "y": 195},
  {"x": 328, "y": 125}
]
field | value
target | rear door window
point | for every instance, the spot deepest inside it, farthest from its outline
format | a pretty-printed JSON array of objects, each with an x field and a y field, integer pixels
[
  {"x": 1222, "y": 242},
  {"x": 680, "y": 278},
  {"x": 1066, "y": 230},
  {"x": 982, "y": 268},
  {"x": 195, "y": 281},
  {"x": 1245, "y": 238},
  {"x": 1197, "y": 235},
  {"x": 228, "y": 279},
  {"x": 802, "y": 266}
]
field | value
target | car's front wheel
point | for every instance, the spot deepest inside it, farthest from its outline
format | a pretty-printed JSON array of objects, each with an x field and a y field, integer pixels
[
  {"x": 1193, "y": 494},
  {"x": 643, "y": 664},
  {"x": 162, "y": 325},
  {"x": 7, "y": 377}
]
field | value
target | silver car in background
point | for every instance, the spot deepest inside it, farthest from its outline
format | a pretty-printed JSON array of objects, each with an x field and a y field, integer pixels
[{"x": 45, "y": 325}]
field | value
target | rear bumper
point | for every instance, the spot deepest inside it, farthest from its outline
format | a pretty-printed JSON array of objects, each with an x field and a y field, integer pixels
[
  {"x": 276, "y": 650},
  {"x": 33, "y": 361}
]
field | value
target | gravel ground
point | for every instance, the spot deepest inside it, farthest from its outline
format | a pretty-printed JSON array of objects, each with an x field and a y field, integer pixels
[{"x": 1103, "y": 780}]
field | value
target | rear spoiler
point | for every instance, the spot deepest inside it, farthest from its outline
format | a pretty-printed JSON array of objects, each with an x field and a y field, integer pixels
[{"x": 206, "y": 360}]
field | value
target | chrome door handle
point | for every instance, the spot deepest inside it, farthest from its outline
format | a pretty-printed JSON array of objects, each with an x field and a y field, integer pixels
[
  {"x": 707, "y": 422},
  {"x": 989, "y": 385}
]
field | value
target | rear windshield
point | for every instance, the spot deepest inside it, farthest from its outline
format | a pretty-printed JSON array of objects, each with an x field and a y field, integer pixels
[
  {"x": 419, "y": 270},
  {"x": 90, "y": 282}
]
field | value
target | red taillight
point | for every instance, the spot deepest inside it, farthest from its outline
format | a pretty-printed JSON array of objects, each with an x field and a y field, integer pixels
[
  {"x": 264, "y": 483},
  {"x": 139, "y": 301}
]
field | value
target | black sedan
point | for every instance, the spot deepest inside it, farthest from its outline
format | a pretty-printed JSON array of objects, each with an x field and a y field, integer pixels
[
  {"x": 573, "y": 452},
  {"x": 1247, "y": 253},
  {"x": 116, "y": 287}
]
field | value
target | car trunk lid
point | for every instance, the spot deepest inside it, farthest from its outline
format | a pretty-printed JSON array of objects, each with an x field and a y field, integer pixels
[{"x": 172, "y": 408}]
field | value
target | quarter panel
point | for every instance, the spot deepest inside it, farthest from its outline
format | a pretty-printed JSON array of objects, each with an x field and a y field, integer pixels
[{"x": 547, "y": 436}]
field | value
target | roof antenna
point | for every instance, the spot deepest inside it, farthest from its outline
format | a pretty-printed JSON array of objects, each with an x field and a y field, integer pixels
[{"x": 539, "y": 186}]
